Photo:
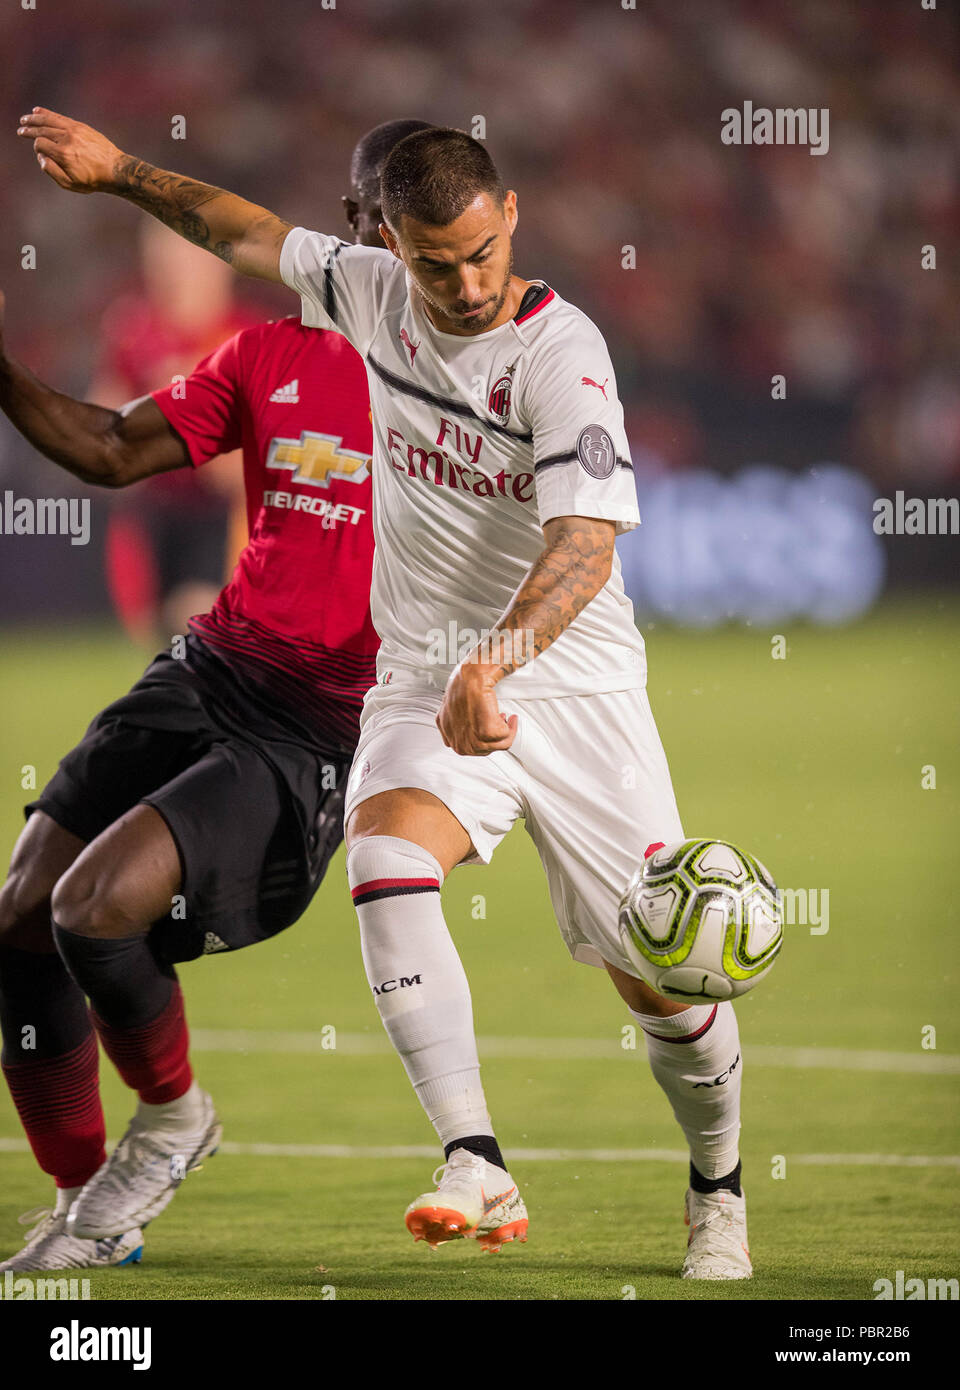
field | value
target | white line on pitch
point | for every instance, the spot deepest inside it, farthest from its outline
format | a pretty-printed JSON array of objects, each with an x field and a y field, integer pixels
[
  {"x": 576, "y": 1050},
  {"x": 429, "y": 1151}
]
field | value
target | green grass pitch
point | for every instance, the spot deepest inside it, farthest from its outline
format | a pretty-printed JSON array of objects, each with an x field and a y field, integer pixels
[{"x": 814, "y": 763}]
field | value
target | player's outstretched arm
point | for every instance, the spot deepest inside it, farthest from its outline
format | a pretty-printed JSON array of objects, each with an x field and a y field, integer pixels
[
  {"x": 571, "y": 570},
  {"x": 82, "y": 160},
  {"x": 107, "y": 447}
]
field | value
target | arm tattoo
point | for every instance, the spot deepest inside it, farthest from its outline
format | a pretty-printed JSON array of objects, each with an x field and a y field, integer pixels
[
  {"x": 171, "y": 198},
  {"x": 176, "y": 200},
  {"x": 567, "y": 575}
]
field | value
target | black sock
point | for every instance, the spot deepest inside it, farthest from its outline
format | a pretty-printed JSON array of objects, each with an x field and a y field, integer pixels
[
  {"x": 42, "y": 1012},
  {"x": 483, "y": 1144},
  {"x": 119, "y": 975},
  {"x": 731, "y": 1183}
]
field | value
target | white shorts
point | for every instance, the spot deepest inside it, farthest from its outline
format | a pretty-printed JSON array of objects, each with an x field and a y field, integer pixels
[{"x": 587, "y": 773}]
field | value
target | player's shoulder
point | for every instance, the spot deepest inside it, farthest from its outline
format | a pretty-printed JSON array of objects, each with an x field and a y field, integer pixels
[
  {"x": 253, "y": 342},
  {"x": 280, "y": 337},
  {"x": 563, "y": 349},
  {"x": 267, "y": 331},
  {"x": 282, "y": 362},
  {"x": 281, "y": 332},
  {"x": 547, "y": 321},
  {"x": 320, "y": 250}
]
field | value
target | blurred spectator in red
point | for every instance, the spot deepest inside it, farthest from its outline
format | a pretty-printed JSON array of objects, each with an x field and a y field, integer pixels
[{"x": 171, "y": 541}]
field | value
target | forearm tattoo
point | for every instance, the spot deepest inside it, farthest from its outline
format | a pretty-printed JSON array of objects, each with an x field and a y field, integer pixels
[
  {"x": 172, "y": 199},
  {"x": 570, "y": 572}
]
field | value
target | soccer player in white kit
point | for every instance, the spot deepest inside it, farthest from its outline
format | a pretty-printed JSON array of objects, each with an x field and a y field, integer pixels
[{"x": 511, "y": 676}]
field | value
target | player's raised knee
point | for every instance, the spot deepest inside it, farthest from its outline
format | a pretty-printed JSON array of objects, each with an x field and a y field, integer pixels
[
  {"x": 41, "y": 855},
  {"x": 88, "y": 902}
]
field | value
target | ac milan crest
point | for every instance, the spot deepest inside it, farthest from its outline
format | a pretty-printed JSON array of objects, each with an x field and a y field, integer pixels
[{"x": 498, "y": 403}]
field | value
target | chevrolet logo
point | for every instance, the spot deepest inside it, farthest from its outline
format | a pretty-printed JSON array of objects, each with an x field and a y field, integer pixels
[{"x": 315, "y": 459}]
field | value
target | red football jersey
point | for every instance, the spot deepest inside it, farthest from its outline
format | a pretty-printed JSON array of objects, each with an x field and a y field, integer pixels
[{"x": 296, "y": 614}]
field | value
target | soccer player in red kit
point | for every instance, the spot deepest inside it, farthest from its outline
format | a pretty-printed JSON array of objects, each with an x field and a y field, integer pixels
[{"x": 134, "y": 856}]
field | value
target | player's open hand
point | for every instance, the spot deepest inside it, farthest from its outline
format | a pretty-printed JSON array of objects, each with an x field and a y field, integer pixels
[
  {"x": 470, "y": 720},
  {"x": 75, "y": 156}
]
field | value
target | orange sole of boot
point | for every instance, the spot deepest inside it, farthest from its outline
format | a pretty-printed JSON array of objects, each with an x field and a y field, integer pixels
[
  {"x": 494, "y": 1240},
  {"x": 437, "y": 1225}
]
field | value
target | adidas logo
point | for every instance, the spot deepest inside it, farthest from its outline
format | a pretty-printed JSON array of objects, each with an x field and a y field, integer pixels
[
  {"x": 212, "y": 942},
  {"x": 287, "y": 395}
]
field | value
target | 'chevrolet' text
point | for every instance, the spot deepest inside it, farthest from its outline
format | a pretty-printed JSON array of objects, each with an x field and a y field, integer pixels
[{"x": 329, "y": 512}]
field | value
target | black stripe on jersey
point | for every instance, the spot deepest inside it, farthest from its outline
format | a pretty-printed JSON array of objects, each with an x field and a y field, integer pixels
[
  {"x": 553, "y": 459},
  {"x": 329, "y": 288},
  {"x": 419, "y": 393},
  {"x": 533, "y": 296}
]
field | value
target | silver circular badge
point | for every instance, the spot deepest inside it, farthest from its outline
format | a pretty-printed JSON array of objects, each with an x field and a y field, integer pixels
[{"x": 596, "y": 452}]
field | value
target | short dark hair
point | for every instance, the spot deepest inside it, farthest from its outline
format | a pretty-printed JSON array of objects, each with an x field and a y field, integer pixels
[
  {"x": 434, "y": 175},
  {"x": 371, "y": 151}
]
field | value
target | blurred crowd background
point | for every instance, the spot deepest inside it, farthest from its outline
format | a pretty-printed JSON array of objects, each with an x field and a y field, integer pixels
[{"x": 749, "y": 261}]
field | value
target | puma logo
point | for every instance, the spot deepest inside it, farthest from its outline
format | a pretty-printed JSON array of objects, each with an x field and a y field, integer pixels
[
  {"x": 404, "y": 338},
  {"x": 589, "y": 381}
]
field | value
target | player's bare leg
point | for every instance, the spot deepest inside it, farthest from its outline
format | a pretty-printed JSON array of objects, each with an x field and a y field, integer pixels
[
  {"x": 414, "y": 814},
  {"x": 50, "y": 1052},
  {"x": 400, "y": 846},
  {"x": 694, "y": 1053},
  {"x": 103, "y": 909},
  {"x": 640, "y": 998}
]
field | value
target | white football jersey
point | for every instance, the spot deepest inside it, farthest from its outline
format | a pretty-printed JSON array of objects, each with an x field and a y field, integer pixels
[{"x": 478, "y": 441}]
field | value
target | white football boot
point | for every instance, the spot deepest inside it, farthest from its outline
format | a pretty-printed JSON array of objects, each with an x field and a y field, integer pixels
[
  {"x": 142, "y": 1174},
  {"x": 49, "y": 1246},
  {"x": 473, "y": 1199},
  {"x": 717, "y": 1245}
]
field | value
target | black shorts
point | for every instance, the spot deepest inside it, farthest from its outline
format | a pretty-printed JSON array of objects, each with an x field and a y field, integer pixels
[{"x": 252, "y": 797}]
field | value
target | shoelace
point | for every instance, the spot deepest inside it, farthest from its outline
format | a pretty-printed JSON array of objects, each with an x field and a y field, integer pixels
[
  {"x": 720, "y": 1219},
  {"x": 39, "y": 1218},
  {"x": 451, "y": 1171}
]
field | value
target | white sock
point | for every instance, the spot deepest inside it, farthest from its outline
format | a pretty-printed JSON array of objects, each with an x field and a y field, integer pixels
[
  {"x": 695, "y": 1057},
  {"x": 66, "y": 1196},
  {"x": 420, "y": 988},
  {"x": 184, "y": 1113}
]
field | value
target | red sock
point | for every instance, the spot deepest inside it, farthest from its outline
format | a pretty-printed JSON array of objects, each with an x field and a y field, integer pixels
[
  {"x": 152, "y": 1060},
  {"x": 58, "y": 1101}
]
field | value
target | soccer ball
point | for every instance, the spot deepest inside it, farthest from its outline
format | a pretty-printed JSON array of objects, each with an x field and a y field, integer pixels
[{"x": 701, "y": 920}]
